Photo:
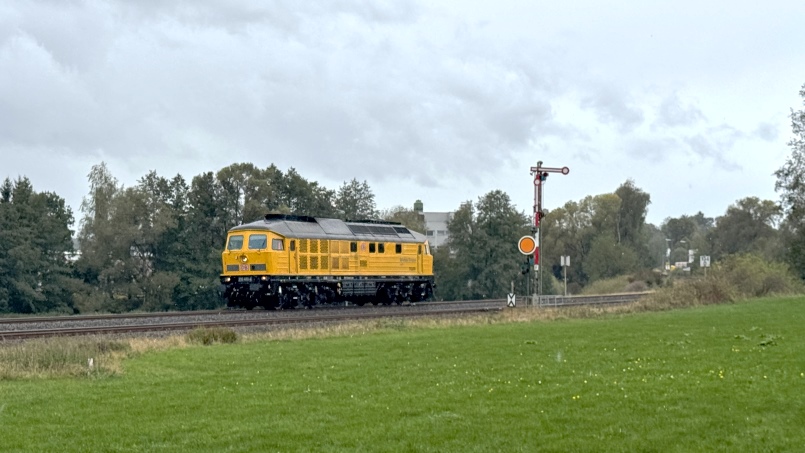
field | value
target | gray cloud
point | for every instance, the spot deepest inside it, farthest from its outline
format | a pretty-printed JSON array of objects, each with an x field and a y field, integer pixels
[
  {"x": 613, "y": 105},
  {"x": 673, "y": 112},
  {"x": 653, "y": 149},
  {"x": 344, "y": 83},
  {"x": 717, "y": 144},
  {"x": 440, "y": 94},
  {"x": 767, "y": 131}
]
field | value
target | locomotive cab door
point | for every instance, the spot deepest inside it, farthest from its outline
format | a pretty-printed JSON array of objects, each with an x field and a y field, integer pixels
[
  {"x": 293, "y": 257},
  {"x": 419, "y": 259}
]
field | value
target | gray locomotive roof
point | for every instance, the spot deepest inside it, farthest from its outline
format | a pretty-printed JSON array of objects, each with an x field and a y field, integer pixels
[{"x": 319, "y": 228}]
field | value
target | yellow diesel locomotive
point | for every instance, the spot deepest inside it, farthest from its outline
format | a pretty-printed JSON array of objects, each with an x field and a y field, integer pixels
[{"x": 289, "y": 261}]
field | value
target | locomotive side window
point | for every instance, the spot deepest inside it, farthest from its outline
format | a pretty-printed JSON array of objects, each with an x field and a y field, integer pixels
[
  {"x": 381, "y": 248},
  {"x": 419, "y": 250},
  {"x": 353, "y": 247},
  {"x": 257, "y": 242},
  {"x": 276, "y": 244},
  {"x": 293, "y": 245},
  {"x": 371, "y": 247},
  {"x": 235, "y": 242},
  {"x": 398, "y": 248}
]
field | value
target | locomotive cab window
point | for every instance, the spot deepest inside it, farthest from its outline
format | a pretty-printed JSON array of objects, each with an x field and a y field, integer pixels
[
  {"x": 235, "y": 242},
  {"x": 293, "y": 245},
  {"x": 353, "y": 247},
  {"x": 371, "y": 247},
  {"x": 257, "y": 242},
  {"x": 398, "y": 248},
  {"x": 277, "y": 244},
  {"x": 381, "y": 248}
]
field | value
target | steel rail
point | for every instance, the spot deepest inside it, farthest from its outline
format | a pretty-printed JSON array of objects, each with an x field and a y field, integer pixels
[
  {"x": 545, "y": 301},
  {"x": 68, "y": 318},
  {"x": 179, "y": 314},
  {"x": 118, "y": 329}
]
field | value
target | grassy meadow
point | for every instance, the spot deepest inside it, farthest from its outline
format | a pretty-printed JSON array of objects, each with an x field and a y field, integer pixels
[{"x": 712, "y": 378}]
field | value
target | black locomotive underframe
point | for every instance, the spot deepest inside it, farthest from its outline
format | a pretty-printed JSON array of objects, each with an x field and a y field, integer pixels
[{"x": 306, "y": 292}]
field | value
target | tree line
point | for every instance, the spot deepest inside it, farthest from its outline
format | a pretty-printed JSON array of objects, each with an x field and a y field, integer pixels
[
  {"x": 153, "y": 246},
  {"x": 157, "y": 245}
]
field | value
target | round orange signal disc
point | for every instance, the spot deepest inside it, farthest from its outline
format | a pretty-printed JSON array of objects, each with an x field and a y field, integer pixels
[{"x": 527, "y": 245}]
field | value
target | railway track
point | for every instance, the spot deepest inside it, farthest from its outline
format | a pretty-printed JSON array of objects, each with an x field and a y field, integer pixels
[
  {"x": 33, "y": 327},
  {"x": 253, "y": 321}
]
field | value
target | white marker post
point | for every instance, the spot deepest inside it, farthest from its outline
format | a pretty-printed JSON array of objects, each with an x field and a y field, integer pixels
[
  {"x": 565, "y": 262},
  {"x": 704, "y": 262}
]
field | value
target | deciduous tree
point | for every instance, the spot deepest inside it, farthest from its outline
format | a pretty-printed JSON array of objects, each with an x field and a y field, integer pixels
[
  {"x": 749, "y": 226},
  {"x": 355, "y": 200},
  {"x": 791, "y": 185},
  {"x": 481, "y": 259},
  {"x": 408, "y": 217}
]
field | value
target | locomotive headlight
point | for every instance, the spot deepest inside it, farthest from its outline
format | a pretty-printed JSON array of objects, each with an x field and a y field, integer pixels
[
  {"x": 263, "y": 278},
  {"x": 244, "y": 258},
  {"x": 227, "y": 279}
]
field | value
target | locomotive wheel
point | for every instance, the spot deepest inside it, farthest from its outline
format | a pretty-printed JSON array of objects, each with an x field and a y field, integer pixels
[
  {"x": 387, "y": 295},
  {"x": 267, "y": 302},
  {"x": 282, "y": 301},
  {"x": 419, "y": 293},
  {"x": 400, "y": 298},
  {"x": 306, "y": 301}
]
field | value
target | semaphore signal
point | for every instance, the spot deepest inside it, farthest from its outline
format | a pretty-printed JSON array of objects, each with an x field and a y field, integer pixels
[{"x": 540, "y": 174}]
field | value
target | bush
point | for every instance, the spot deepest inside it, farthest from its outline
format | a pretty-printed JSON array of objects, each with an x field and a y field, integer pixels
[
  {"x": 733, "y": 278},
  {"x": 637, "y": 286},
  {"x": 752, "y": 276},
  {"x": 210, "y": 335},
  {"x": 613, "y": 285},
  {"x": 651, "y": 278}
]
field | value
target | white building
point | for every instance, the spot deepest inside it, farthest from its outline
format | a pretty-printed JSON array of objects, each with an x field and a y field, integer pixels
[{"x": 435, "y": 225}]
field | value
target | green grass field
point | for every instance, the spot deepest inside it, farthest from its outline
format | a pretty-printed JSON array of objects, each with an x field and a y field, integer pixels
[{"x": 715, "y": 378}]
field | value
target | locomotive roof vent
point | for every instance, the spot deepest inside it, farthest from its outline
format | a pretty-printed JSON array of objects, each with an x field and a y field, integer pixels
[
  {"x": 376, "y": 222},
  {"x": 293, "y": 218},
  {"x": 376, "y": 230}
]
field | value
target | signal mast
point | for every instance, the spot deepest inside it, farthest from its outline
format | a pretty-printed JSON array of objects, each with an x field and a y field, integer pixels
[{"x": 540, "y": 174}]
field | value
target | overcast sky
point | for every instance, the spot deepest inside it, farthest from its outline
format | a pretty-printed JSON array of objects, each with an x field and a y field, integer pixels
[{"x": 441, "y": 101}]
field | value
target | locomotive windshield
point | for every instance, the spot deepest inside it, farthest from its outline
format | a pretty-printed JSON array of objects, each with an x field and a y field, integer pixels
[
  {"x": 257, "y": 242},
  {"x": 235, "y": 242}
]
